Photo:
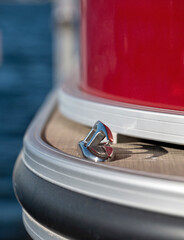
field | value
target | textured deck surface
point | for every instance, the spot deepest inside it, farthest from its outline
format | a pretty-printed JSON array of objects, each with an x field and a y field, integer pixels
[{"x": 131, "y": 153}]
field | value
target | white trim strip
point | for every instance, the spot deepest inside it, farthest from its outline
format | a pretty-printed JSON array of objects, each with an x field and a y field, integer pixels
[{"x": 87, "y": 109}]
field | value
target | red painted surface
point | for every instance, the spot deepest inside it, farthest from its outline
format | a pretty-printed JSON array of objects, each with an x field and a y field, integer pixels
[
  {"x": 109, "y": 134},
  {"x": 133, "y": 51}
]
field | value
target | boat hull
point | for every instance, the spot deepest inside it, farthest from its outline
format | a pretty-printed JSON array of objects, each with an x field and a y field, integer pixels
[{"x": 132, "y": 51}]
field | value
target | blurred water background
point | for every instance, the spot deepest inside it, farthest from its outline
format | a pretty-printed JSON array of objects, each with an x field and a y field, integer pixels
[{"x": 25, "y": 79}]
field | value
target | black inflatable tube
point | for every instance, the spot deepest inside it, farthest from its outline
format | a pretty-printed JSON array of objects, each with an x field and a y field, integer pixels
[{"x": 77, "y": 216}]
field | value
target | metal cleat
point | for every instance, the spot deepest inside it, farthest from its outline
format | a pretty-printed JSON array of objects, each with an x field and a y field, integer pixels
[{"x": 96, "y": 145}]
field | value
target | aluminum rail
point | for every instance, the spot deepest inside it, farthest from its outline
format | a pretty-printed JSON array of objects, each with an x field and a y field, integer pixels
[{"x": 38, "y": 231}]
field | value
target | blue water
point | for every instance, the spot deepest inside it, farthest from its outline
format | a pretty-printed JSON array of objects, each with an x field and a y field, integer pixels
[{"x": 25, "y": 79}]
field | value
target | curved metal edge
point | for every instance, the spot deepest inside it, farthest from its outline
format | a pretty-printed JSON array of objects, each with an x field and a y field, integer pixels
[
  {"x": 38, "y": 231},
  {"x": 98, "y": 180},
  {"x": 77, "y": 216},
  {"x": 148, "y": 123},
  {"x": 80, "y": 217}
]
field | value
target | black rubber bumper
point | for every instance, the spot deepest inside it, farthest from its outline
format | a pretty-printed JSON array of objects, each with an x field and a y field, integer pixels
[{"x": 77, "y": 216}]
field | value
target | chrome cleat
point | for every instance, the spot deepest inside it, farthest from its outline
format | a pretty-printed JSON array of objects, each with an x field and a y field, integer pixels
[{"x": 96, "y": 145}]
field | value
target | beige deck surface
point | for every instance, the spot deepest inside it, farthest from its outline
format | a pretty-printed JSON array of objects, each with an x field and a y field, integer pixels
[{"x": 131, "y": 153}]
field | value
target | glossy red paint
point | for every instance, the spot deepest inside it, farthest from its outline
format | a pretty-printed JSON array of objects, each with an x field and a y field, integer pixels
[
  {"x": 133, "y": 51},
  {"x": 110, "y": 136}
]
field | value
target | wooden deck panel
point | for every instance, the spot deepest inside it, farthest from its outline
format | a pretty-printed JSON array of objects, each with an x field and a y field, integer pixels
[{"x": 131, "y": 153}]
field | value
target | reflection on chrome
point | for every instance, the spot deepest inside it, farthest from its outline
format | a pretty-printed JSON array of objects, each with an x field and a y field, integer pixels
[{"x": 94, "y": 147}]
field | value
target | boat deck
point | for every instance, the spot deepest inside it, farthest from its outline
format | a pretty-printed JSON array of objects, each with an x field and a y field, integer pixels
[{"x": 130, "y": 153}]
